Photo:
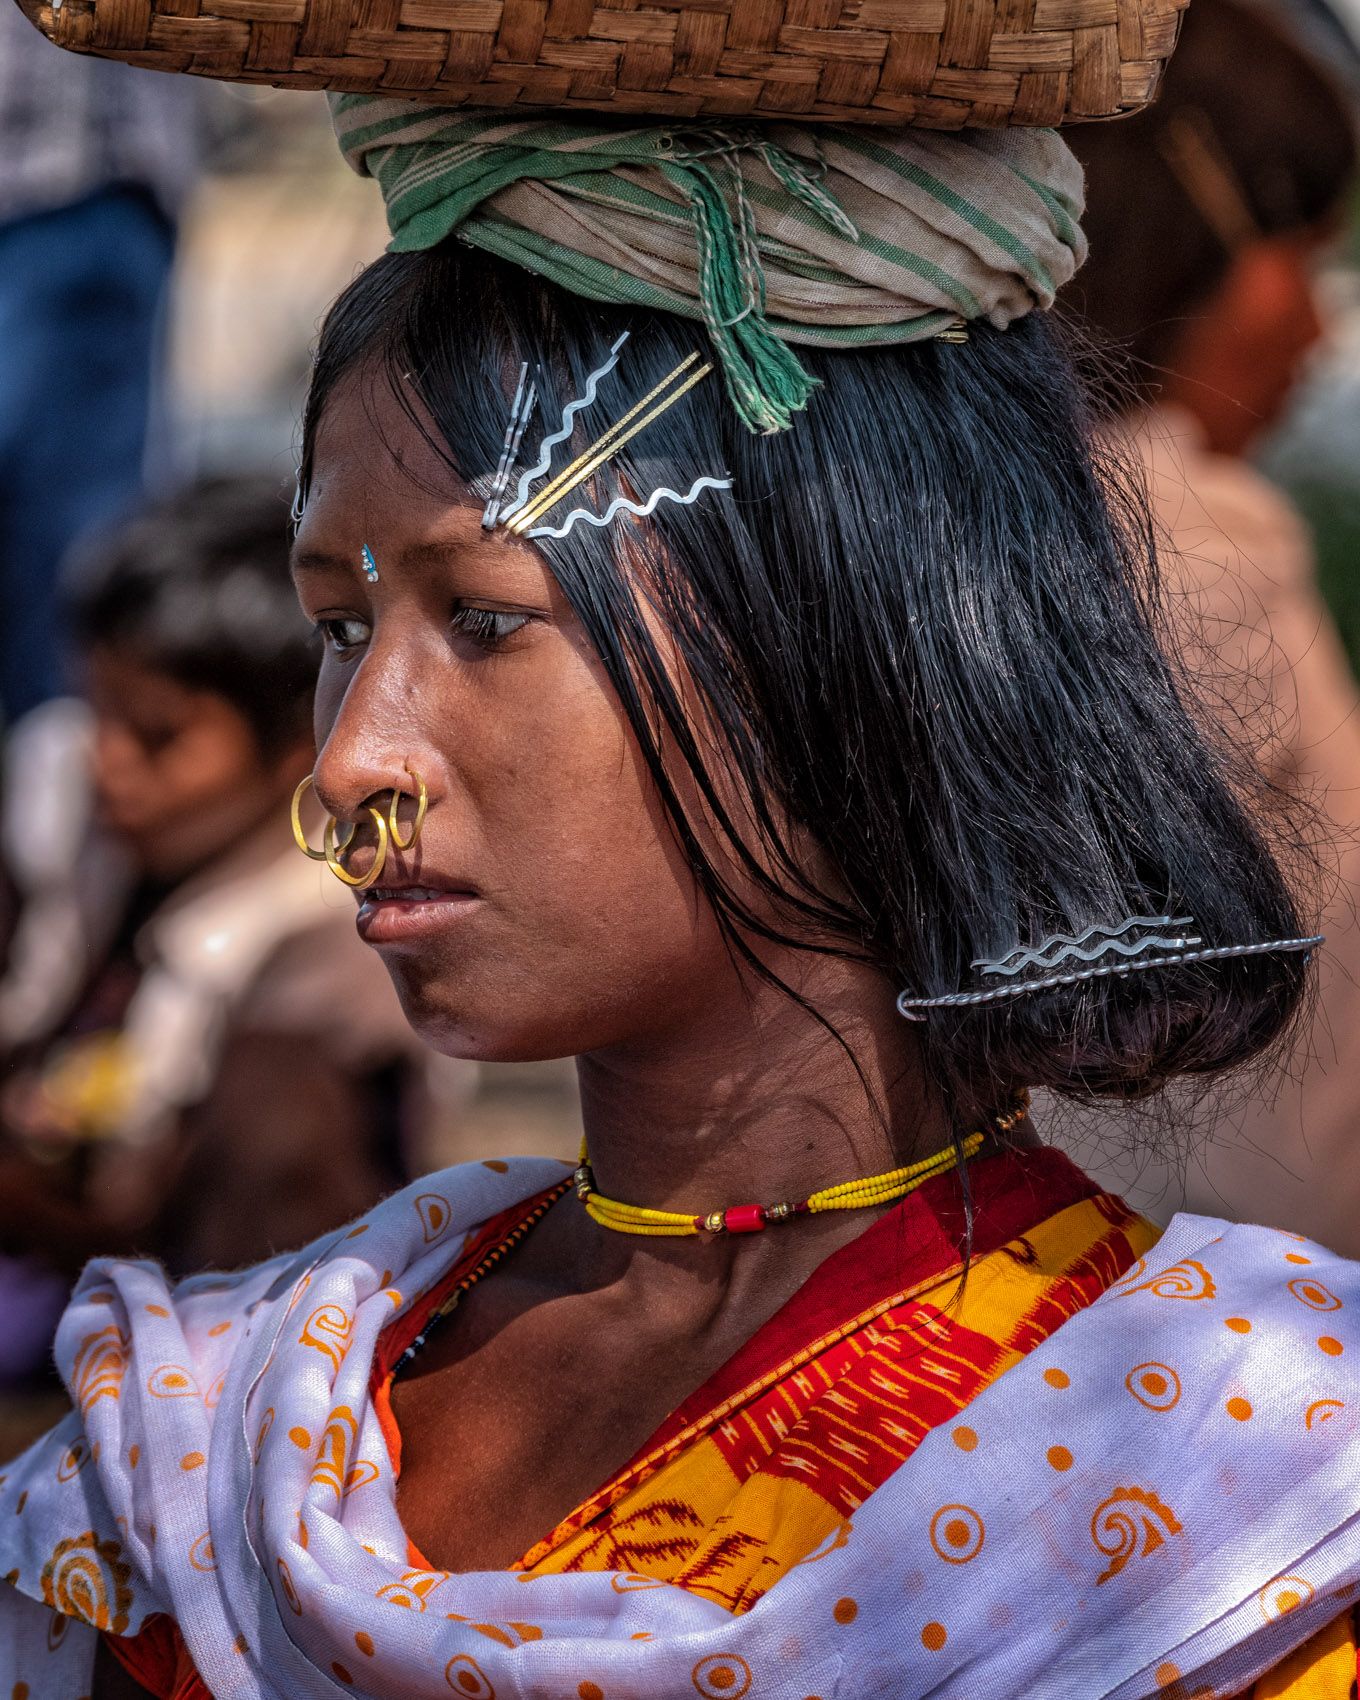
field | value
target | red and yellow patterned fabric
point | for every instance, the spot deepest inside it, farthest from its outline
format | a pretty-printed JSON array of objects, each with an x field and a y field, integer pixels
[
  {"x": 888, "y": 1340},
  {"x": 771, "y": 1458}
]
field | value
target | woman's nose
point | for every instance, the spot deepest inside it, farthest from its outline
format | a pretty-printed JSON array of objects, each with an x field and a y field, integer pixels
[{"x": 372, "y": 745}]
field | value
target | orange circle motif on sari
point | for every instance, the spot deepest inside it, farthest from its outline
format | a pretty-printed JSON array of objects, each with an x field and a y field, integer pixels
[
  {"x": 625, "y": 1582},
  {"x": 465, "y": 1676},
  {"x": 172, "y": 1381},
  {"x": 434, "y": 1214},
  {"x": 1155, "y": 1385},
  {"x": 1312, "y": 1293},
  {"x": 1285, "y": 1594},
  {"x": 724, "y": 1676},
  {"x": 201, "y": 1554},
  {"x": 290, "y": 1593},
  {"x": 73, "y": 1460},
  {"x": 957, "y": 1533}
]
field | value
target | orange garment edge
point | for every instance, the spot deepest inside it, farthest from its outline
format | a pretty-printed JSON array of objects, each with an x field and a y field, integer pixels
[{"x": 769, "y": 1459}]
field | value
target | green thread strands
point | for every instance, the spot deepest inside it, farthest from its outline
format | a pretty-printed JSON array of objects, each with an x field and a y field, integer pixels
[{"x": 773, "y": 238}]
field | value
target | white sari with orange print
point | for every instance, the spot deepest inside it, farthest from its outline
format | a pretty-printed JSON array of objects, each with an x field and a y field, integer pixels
[{"x": 1162, "y": 1498}]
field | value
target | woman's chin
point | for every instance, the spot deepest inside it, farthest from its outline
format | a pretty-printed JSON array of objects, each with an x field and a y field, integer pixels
[{"x": 476, "y": 1025}]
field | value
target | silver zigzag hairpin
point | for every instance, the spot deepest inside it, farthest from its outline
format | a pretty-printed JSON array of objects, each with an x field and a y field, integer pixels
[
  {"x": 1137, "y": 942},
  {"x": 529, "y": 505}
]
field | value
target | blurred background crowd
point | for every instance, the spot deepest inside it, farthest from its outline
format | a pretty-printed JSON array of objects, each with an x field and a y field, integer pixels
[{"x": 198, "y": 1060}]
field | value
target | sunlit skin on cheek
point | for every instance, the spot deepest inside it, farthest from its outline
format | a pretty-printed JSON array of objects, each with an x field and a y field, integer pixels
[{"x": 568, "y": 921}]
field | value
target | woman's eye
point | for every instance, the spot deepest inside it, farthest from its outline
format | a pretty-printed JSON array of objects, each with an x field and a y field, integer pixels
[
  {"x": 487, "y": 626},
  {"x": 343, "y": 634}
]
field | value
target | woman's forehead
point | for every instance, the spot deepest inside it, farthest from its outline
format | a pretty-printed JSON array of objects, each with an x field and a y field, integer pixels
[{"x": 370, "y": 435}]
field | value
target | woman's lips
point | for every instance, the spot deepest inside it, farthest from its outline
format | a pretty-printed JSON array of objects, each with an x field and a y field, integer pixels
[{"x": 393, "y": 914}]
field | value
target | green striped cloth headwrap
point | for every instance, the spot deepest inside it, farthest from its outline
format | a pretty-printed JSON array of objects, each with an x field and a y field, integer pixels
[{"x": 831, "y": 237}]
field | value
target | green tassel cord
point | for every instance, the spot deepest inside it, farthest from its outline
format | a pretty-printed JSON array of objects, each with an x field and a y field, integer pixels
[{"x": 767, "y": 382}]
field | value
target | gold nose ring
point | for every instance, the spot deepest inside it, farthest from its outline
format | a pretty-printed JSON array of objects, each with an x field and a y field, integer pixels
[
  {"x": 333, "y": 851},
  {"x": 300, "y": 836},
  {"x": 422, "y": 801},
  {"x": 335, "y": 842}
]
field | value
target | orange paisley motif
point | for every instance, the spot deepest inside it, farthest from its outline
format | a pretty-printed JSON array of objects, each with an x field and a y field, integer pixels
[
  {"x": 1185, "y": 1280},
  {"x": 1131, "y": 1523},
  {"x": 99, "y": 1367},
  {"x": 341, "y": 1433},
  {"x": 414, "y": 1589},
  {"x": 84, "y": 1578},
  {"x": 361, "y": 1473},
  {"x": 328, "y": 1330}
]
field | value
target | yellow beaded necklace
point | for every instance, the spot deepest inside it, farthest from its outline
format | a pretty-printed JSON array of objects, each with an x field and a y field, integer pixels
[{"x": 751, "y": 1218}]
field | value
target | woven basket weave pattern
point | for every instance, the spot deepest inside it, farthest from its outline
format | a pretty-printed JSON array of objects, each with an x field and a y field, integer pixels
[{"x": 937, "y": 63}]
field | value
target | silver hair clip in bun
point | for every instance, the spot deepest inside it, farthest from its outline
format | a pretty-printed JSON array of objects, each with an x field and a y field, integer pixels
[{"x": 1137, "y": 942}]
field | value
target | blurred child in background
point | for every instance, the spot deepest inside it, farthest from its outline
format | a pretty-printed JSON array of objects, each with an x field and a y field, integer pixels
[
  {"x": 1209, "y": 215},
  {"x": 201, "y": 1062}
]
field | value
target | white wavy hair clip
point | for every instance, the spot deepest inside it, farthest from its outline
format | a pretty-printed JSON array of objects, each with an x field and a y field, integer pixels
[
  {"x": 1137, "y": 942},
  {"x": 530, "y": 506}
]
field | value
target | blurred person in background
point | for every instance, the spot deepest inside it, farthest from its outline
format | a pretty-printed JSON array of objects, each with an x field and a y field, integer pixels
[
  {"x": 1209, "y": 216},
  {"x": 95, "y": 162},
  {"x": 201, "y": 1062}
]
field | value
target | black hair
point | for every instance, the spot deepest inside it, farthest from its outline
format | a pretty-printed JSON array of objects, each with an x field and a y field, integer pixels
[
  {"x": 920, "y": 629},
  {"x": 196, "y": 586},
  {"x": 1280, "y": 138}
]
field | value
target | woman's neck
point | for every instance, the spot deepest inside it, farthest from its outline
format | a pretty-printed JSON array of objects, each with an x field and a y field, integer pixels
[{"x": 753, "y": 1100}]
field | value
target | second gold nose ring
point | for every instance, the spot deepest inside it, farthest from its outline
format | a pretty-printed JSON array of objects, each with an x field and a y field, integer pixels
[{"x": 336, "y": 841}]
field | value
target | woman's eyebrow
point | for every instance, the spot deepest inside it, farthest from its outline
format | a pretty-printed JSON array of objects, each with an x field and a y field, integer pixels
[{"x": 316, "y": 561}]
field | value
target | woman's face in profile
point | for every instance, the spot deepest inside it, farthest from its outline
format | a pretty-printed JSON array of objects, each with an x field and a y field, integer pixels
[{"x": 552, "y": 911}]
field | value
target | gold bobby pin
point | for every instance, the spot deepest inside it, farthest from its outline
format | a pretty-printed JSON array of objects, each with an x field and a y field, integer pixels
[{"x": 606, "y": 446}]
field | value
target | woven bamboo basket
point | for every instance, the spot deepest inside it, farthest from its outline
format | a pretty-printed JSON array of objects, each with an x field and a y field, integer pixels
[{"x": 941, "y": 64}]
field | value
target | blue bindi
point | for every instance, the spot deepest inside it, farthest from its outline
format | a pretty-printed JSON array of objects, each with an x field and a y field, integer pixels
[{"x": 370, "y": 565}]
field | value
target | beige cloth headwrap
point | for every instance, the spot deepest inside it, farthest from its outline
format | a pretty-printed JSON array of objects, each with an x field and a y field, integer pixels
[{"x": 788, "y": 234}]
